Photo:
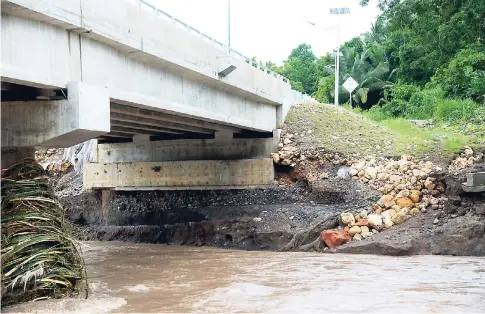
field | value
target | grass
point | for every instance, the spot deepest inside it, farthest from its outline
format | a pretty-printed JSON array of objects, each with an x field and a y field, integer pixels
[
  {"x": 338, "y": 129},
  {"x": 424, "y": 140}
]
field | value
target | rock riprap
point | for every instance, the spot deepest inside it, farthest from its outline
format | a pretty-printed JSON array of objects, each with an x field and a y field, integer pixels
[{"x": 408, "y": 188}]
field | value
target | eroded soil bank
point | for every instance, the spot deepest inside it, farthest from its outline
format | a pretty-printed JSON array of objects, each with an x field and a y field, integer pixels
[
  {"x": 245, "y": 219},
  {"x": 268, "y": 219}
]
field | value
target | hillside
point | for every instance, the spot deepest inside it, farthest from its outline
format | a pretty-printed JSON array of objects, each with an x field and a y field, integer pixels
[
  {"x": 336, "y": 129},
  {"x": 417, "y": 170}
]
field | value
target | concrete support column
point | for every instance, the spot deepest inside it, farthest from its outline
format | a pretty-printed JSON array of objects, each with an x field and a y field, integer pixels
[
  {"x": 84, "y": 115},
  {"x": 281, "y": 112},
  {"x": 11, "y": 156},
  {"x": 276, "y": 140}
]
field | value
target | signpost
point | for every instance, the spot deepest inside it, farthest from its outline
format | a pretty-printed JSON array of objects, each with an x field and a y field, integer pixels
[{"x": 350, "y": 85}]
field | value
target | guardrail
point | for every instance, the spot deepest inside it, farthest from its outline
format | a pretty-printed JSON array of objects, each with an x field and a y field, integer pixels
[
  {"x": 209, "y": 39},
  {"x": 230, "y": 52}
]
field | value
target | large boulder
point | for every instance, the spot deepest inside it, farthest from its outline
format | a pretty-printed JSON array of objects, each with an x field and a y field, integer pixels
[
  {"x": 399, "y": 218},
  {"x": 370, "y": 172},
  {"x": 334, "y": 238},
  {"x": 414, "y": 196},
  {"x": 354, "y": 230}
]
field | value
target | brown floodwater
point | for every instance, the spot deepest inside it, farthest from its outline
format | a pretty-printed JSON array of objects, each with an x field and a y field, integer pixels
[{"x": 144, "y": 278}]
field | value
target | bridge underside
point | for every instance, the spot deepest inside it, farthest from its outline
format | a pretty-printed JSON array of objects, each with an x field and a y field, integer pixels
[
  {"x": 137, "y": 148},
  {"x": 163, "y": 107}
]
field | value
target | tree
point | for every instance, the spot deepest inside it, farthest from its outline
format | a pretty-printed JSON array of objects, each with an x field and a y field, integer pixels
[
  {"x": 370, "y": 70},
  {"x": 326, "y": 91},
  {"x": 303, "y": 52},
  {"x": 378, "y": 31},
  {"x": 301, "y": 67},
  {"x": 325, "y": 64},
  {"x": 383, "y": 4},
  {"x": 355, "y": 43},
  {"x": 465, "y": 75},
  {"x": 424, "y": 35}
]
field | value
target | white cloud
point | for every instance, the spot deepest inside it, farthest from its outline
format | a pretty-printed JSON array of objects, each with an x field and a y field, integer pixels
[{"x": 270, "y": 29}]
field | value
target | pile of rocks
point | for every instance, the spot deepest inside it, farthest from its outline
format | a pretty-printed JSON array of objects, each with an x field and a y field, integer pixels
[
  {"x": 291, "y": 153},
  {"x": 466, "y": 159},
  {"x": 408, "y": 188}
]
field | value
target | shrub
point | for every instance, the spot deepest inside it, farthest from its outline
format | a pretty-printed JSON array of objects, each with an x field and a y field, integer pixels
[
  {"x": 403, "y": 91},
  {"x": 464, "y": 77},
  {"x": 377, "y": 113},
  {"x": 454, "y": 110},
  {"x": 298, "y": 86},
  {"x": 396, "y": 99},
  {"x": 394, "y": 108},
  {"x": 422, "y": 105},
  {"x": 325, "y": 92}
]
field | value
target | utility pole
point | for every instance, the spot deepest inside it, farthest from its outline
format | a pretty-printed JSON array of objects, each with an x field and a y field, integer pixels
[
  {"x": 338, "y": 11},
  {"x": 337, "y": 64},
  {"x": 228, "y": 27}
]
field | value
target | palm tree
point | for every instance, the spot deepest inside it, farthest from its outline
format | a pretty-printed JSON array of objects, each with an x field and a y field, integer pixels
[{"x": 370, "y": 70}]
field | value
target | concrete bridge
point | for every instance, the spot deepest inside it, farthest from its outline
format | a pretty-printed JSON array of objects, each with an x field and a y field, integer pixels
[{"x": 169, "y": 106}]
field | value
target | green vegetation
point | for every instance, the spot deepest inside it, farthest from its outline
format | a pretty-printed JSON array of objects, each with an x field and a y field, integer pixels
[
  {"x": 421, "y": 60},
  {"x": 353, "y": 130},
  {"x": 39, "y": 257}
]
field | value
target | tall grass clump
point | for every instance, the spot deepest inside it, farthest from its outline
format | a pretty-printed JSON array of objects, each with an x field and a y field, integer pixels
[
  {"x": 422, "y": 105},
  {"x": 454, "y": 110},
  {"x": 40, "y": 259}
]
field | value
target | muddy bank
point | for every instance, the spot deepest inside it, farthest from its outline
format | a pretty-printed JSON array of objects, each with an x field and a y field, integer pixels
[
  {"x": 304, "y": 201},
  {"x": 245, "y": 219},
  {"x": 463, "y": 235},
  {"x": 457, "y": 229}
]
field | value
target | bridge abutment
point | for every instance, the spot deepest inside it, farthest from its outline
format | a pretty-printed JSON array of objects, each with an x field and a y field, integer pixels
[{"x": 222, "y": 162}]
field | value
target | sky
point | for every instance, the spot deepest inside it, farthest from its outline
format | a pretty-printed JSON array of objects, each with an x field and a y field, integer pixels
[{"x": 270, "y": 29}]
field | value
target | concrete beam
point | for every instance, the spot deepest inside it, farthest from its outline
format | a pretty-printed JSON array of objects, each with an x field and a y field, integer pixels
[
  {"x": 117, "y": 135},
  {"x": 161, "y": 116},
  {"x": 134, "y": 131},
  {"x": 208, "y": 149},
  {"x": 153, "y": 122},
  {"x": 181, "y": 174},
  {"x": 475, "y": 178},
  {"x": 154, "y": 129},
  {"x": 132, "y": 29},
  {"x": 61, "y": 123}
]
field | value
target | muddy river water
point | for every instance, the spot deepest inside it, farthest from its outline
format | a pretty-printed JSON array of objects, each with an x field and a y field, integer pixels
[{"x": 158, "y": 278}]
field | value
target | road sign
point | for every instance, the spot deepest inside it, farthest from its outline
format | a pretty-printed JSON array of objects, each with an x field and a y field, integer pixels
[{"x": 350, "y": 84}]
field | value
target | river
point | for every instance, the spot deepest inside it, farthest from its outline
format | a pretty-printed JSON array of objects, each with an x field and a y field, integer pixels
[{"x": 134, "y": 278}]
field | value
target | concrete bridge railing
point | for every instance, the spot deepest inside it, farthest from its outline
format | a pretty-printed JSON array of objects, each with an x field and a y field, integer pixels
[{"x": 231, "y": 52}]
